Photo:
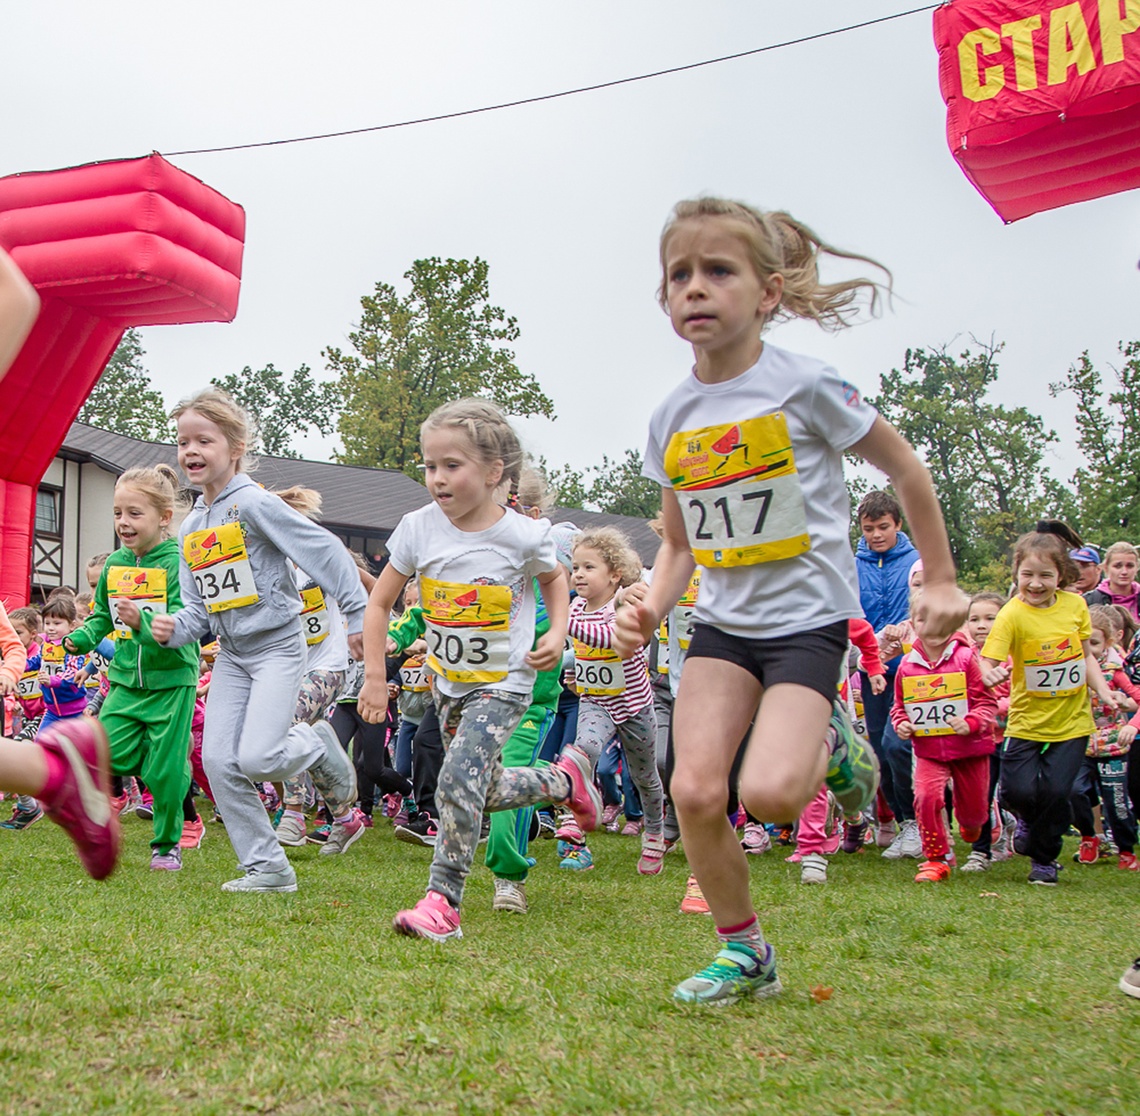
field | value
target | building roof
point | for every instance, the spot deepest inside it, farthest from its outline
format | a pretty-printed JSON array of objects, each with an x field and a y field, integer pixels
[{"x": 355, "y": 498}]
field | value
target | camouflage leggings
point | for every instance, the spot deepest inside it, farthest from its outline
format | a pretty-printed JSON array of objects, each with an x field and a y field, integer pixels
[
  {"x": 319, "y": 689},
  {"x": 473, "y": 779}
]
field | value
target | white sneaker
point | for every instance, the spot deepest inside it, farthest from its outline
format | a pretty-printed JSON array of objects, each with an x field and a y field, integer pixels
[
  {"x": 910, "y": 843},
  {"x": 813, "y": 869},
  {"x": 755, "y": 840},
  {"x": 894, "y": 850},
  {"x": 509, "y": 896},
  {"x": 976, "y": 862},
  {"x": 291, "y": 832}
]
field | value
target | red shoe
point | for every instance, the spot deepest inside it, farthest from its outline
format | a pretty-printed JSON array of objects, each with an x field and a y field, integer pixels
[
  {"x": 694, "y": 901},
  {"x": 117, "y": 804},
  {"x": 193, "y": 833},
  {"x": 82, "y": 804},
  {"x": 933, "y": 871},
  {"x": 1128, "y": 862},
  {"x": 970, "y": 834},
  {"x": 1089, "y": 850},
  {"x": 584, "y": 801},
  {"x": 433, "y": 917}
]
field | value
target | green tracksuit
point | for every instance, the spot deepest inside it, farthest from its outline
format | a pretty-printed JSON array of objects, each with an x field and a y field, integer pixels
[
  {"x": 510, "y": 829},
  {"x": 150, "y": 704}
]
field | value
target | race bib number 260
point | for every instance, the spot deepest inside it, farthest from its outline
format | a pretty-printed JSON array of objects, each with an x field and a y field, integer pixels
[
  {"x": 739, "y": 492},
  {"x": 468, "y": 630}
]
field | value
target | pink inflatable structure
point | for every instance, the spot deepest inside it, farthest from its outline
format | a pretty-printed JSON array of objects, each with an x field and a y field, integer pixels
[{"x": 107, "y": 246}]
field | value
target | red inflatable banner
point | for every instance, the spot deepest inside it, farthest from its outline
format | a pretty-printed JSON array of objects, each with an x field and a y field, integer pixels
[
  {"x": 107, "y": 246},
  {"x": 1043, "y": 100}
]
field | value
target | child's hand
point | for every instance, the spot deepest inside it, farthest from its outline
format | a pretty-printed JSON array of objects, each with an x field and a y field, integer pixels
[
  {"x": 1126, "y": 735},
  {"x": 44, "y": 675},
  {"x": 1129, "y": 705},
  {"x": 69, "y": 646},
  {"x": 356, "y": 647},
  {"x": 390, "y": 648},
  {"x": 878, "y": 683},
  {"x": 570, "y": 681},
  {"x": 547, "y": 653},
  {"x": 959, "y": 725},
  {"x": 128, "y": 614},
  {"x": 393, "y": 691},
  {"x": 905, "y": 730},
  {"x": 892, "y": 633},
  {"x": 632, "y": 594},
  {"x": 994, "y": 676},
  {"x": 7, "y": 685},
  {"x": 943, "y": 607},
  {"x": 633, "y": 628},
  {"x": 372, "y": 704},
  {"x": 161, "y": 627},
  {"x": 417, "y": 647},
  {"x": 1115, "y": 697}
]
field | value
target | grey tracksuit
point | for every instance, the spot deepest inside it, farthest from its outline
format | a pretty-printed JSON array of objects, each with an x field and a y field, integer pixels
[{"x": 257, "y": 675}]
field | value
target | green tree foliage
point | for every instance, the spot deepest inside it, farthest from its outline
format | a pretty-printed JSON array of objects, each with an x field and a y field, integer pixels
[
  {"x": 616, "y": 487},
  {"x": 985, "y": 458},
  {"x": 443, "y": 340},
  {"x": 124, "y": 400},
  {"x": 282, "y": 404},
  {"x": 1108, "y": 485}
]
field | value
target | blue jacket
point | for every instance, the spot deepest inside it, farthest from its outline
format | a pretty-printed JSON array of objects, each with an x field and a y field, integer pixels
[{"x": 883, "y": 591}]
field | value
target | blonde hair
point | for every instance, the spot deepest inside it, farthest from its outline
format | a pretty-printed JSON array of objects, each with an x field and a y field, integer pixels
[
  {"x": 1104, "y": 618},
  {"x": 615, "y": 549},
  {"x": 491, "y": 437},
  {"x": 305, "y": 500},
  {"x": 779, "y": 244},
  {"x": 229, "y": 416},
  {"x": 160, "y": 485},
  {"x": 533, "y": 492},
  {"x": 1119, "y": 548}
]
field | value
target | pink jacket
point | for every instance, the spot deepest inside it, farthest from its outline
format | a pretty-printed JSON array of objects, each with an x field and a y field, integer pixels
[{"x": 959, "y": 657}]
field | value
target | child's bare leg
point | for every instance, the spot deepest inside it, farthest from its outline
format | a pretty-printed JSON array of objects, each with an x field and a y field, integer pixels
[
  {"x": 715, "y": 704},
  {"x": 23, "y": 767},
  {"x": 786, "y": 760}
]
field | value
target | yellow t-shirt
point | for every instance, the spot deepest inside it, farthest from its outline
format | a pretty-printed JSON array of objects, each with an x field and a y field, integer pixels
[{"x": 1049, "y": 697}]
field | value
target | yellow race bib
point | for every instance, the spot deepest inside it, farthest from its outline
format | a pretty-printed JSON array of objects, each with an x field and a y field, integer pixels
[
  {"x": 739, "y": 492},
  {"x": 930, "y": 700},
  {"x": 598, "y": 671},
  {"x": 145, "y": 585},
  {"x": 468, "y": 629},
  {"x": 1053, "y": 667},
  {"x": 414, "y": 676},
  {"x": 28, "y": 687},
  {"x": 314, "y": 615},
  {"x": 682, "y": 616},
  {"x": 220, "y": 564}
]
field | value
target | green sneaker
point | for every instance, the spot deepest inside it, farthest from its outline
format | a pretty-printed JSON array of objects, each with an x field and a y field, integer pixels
[
  {"x": 852, "y": 767},
  {"x": 736, "y": 973}
]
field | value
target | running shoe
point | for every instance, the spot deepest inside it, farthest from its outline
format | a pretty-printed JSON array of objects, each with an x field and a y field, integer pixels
[
  {"x": 343, "y": 835},
  {"x": 1130, "y": 982},
  {"x": 166, "y": 862},
  {"x": 82, "y": 803},
  {"x": 854, "y": 834},
  {"x": 785, "y": 835},
  {"x": 193, "y": 834},
  {"x": 652, "y": 854},
  {"x": 694, "y": 901},
  {"x": 933, "y": 871},
  {"x": 885, "y": 833},
  {"x": 976, "y": 862},
  {"x": 1089, "y": 851},
  {"x": 1044, "y": 874},
  {"x": 1021, "y": 838},
  {"x": 584, "y": 800},
  {"x": 254, "y": 881},
  {"x": 813, "y": 868},
  {"x": 578, "y": 858},
  {"x": 320, "y": 835},
  {"x": 755, "y": 841},
  {"x": 510, "y": 896},
  {"x": 433, "y": 917},
  {"x": 852, "y": 767},
  {"x": 610, "y": 817},
  {"x": 570, "y": 832},
  {"x": 333, "y": 774},
  {"x": 1128, "y": 862},
  {"x": 421, "y": 830},
  {"x": 145, "y": 808},
  {"x": 21, "y": 819},
  {"x": 633, "y": 827},
  {"x": 736, "y": 973}
]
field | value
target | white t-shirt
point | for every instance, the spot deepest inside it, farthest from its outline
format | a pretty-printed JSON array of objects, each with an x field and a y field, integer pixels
[
  {"x": 477, "y": 595},
  {"x": 331, "y": 652},
  {"x": 757, "y": 466}
]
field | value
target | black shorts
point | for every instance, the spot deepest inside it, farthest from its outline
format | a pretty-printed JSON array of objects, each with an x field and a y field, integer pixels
[{"x": 813, "y": 658}]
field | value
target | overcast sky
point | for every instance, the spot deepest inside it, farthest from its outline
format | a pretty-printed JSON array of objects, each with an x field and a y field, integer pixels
[{"x": 564, "y": 199}]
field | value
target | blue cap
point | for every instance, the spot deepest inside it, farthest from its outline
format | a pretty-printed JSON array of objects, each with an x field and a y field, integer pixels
[{"x": 1085, "y": 554}]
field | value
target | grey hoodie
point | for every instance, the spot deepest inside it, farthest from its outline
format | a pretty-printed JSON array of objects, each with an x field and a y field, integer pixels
[{"x": 273, "y": 531}]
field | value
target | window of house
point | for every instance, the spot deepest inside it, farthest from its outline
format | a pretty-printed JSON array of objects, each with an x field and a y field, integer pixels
[{"x": 47, "y": 511}]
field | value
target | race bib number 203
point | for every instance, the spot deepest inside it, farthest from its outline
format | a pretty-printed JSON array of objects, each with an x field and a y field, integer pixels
[
  {"x": 739, "y": 492},
  {"x": 468, "y": 630}
]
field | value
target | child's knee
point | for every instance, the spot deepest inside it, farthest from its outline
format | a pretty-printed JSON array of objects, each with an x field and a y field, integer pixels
[
  {"x": 699, "y": 798},
  {"x": 775, "y": 799}
]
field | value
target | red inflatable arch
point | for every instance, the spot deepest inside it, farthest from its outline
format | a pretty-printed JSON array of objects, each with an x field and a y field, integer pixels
[
  {"x": 1042, "y": 98},
  {"x": 108, "y": 246}
]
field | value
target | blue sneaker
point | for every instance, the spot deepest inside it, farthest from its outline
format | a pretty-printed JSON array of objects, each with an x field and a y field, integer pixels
[
  {"x": 736, "y": 973},
  {"x": 852, "y": 767},
  {"x": 1045, "y": 874},
  {"x": 578, "y": 858}
]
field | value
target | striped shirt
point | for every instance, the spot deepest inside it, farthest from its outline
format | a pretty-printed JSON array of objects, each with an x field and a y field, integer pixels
[{"x": 596, "y": 629}]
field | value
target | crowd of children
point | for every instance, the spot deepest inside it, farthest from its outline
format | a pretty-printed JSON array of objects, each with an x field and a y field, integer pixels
[{"x": 759, "y": 682}]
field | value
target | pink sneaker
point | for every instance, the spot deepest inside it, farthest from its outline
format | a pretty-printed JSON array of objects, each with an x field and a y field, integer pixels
[
  {"x": 633, "y": 827},
  {"x": 433, "y": 917},
  {"x": 610, "y": 817},
  {"x": 82, "y": 805},
  {"x": 570, "y": 831},
  {"x": 193, "y": 833},
  {"x": 584, "y": 799},
  {"x": 652, "y": 854}
]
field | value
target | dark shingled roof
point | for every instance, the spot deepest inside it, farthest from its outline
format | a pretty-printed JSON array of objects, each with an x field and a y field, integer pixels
[{"x": 355, "y": 498}]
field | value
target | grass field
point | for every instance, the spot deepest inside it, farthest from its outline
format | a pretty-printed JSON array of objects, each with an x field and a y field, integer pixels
[{"x": 158, "y": 993}]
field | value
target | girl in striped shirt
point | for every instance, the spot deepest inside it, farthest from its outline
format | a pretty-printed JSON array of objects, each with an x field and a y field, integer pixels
[{"x": 616, "y": 697}]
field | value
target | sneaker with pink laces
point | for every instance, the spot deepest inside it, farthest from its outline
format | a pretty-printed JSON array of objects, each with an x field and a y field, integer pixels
[
  {"x": 584, "y": 800},
  {"x": 652, "y": 854},
  {"x": 570, "y": 831},
  {"x": 82, "y": 803},
  {"x": 433, "y": 917}
]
